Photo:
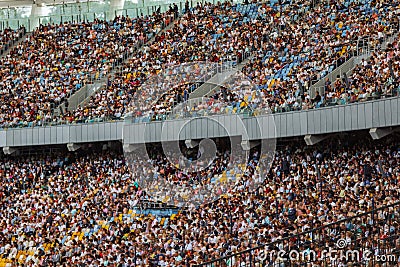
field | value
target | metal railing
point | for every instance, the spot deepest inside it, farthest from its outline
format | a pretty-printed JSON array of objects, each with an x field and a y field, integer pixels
[
  {"x": 388, "y": 89},
  {"x": 365, "y": 239},
  {"x": 363, "y": 49},
  {"x": 216, "y": 67},
  {"x": 219, "y": 73},
  {"x": 229, "y": 64},
  {"x": 96, "y": 79},
  {"x": 338, "y": 71}
]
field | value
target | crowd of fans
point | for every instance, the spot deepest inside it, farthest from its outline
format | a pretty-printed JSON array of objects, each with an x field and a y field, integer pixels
[
  {"x": 237, "y": 95},
  {"x": 9, "y": 37},
  {"x": 55, "y": 61},
  {"x": 303, "y": 51},
  {"x": 371, "y": 79},
  {"x": 81, "y": 208},
  {"x": 211, "y": 33},
  {"x": 292, "y": 44}
]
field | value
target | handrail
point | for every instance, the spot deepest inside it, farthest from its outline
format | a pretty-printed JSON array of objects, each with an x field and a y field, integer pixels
[
  {"x": 363, "y": 51},
  {"x": 198, "y": 82},
  {"x": 98, "y": 82},
  {"x": 128, "y": 117}
]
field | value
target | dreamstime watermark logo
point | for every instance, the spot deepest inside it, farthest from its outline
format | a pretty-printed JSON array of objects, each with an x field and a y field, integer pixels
[
  {"x": 341, "y": 243},
  {"x": 340, "y": 253},
  {"x": 195, "y": 104}
]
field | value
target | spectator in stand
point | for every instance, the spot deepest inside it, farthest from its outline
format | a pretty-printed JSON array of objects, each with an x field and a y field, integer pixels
[
  {"x": 279, "y": 94},
  {"x": 317, "y": 98},
  {"x": 373, "y": 78},
  {"x": 294, "y": 44},
  {"x": 79, "y": 208},
  {"x": 9, "y": 36},
  {"x": 224, "y": 38},
  {"x": 308, "y": 48},
  {"x": 56, "y": 60}
]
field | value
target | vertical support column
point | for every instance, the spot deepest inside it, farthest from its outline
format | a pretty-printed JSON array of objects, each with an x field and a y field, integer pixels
[
  {"x": 116, "y": 7},
  {"x": 38, "y": 10}
]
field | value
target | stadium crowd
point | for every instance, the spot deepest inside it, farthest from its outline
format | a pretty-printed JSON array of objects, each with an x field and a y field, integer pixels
[
  {"x": 373, "y": 78},
  {"x": 378, "y": 76},
  {"x": 207, "y": 33},
  {"x": 235, "y": 96},
  {"x": 292, "y": 44},
  {"x": 81, "y": 208},
  {"x": 9, "y": 37},
  {"x": 289, "y": 53},
  {"x": 302, "y": 51},
  {"x": 54, "y": 61}
]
